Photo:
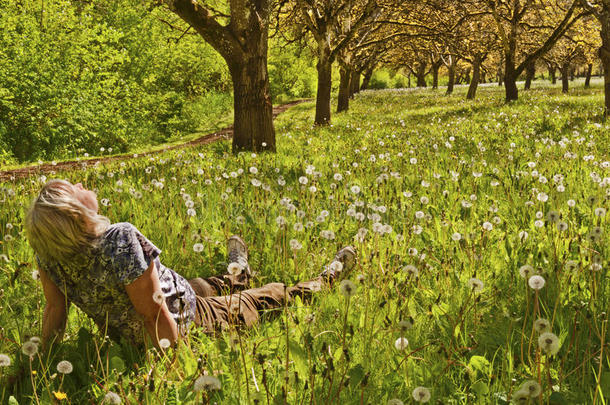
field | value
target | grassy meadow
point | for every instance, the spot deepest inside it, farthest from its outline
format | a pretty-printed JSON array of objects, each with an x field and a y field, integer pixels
[{"x": 481, "y": 230}]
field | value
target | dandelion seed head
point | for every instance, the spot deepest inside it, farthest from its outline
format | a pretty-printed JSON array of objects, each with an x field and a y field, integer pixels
[
  {"x": 401, "y": 343},
  {"x": 29, "y": 348},
  {"x": 536, "y": 282},
  {"x": 207, "y": 383},
  {"x": 347, "y": 288},
  {"x": 421, "y": 394},
  {"x": 64, "y": 367},
  {"x": 5, "y": 360}
]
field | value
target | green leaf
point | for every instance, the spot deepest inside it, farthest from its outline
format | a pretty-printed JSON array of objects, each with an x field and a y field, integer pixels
[
  {"x": 356, "y": 374},
  {"x": 117, "y": 363},
  {"x": 479, "y": 363},
  {"x": 480, "y": 388},
  {"x": 12, "y": 401}
]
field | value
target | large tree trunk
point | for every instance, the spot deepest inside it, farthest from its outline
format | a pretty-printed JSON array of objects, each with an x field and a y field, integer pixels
[
  {"x": 476, "y": 74},
  {"x": 420, "y": 74},
  {"x": 435, "y": 67},
  {"x": 366, "y": 79},
  {"x": 565, "y": 71},
  {"x": 451, "y": 82},
  {"x": 253, "y": 111},
  {"x": 344, "y": 87},
  {"x": 354, "y": 83},
  {"x": 530, "y": 73},
  {"x": 510, "y": 80},
  {"x": 246, "y": 58},
  {"x": 588, "y": 75},
  {"x": 324, "y": 68}
]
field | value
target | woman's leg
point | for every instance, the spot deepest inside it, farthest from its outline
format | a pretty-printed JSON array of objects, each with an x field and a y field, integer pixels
[
  {"x": 245, "y": 306},
  {"x": 227, "y": 283}
]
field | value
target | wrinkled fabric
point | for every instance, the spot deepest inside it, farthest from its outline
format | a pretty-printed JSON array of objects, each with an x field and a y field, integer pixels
[{"x": 98, "y": 286}]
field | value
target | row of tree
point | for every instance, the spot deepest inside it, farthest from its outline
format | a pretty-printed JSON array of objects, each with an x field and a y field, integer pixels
[{"x": 511, "y": 37}]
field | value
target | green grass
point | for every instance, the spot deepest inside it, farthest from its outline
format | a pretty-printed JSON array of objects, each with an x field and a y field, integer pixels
[{"x": 429, "y": 167}]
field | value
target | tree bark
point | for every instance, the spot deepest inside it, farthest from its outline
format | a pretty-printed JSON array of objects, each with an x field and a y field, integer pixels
[
  {"x": 510, "y": 81},
  {"x": 588, "y": 75},
  {"x": 344, "y": 87},
  {"x": 476, "y": 74},
  {"x": 565, "y": 71},
  {"x": 435, "y": 68},
  {"x": 253, "y": 111},
  {"x": 451, "y": 82},
  {"x": 366, "y": 79},
  {"x": 324, "y": 68},
  {"x": 530, "y": 73},
  {"x": 420, "y": 74},
  {"x": 552, "y": 75},
  {"x": 354, "y": 83}
]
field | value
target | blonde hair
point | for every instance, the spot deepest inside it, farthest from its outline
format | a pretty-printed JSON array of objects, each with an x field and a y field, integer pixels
[{"x": 59, "y": 227}]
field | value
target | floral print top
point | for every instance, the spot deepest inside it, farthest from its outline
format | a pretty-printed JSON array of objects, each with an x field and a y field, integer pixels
[{"x": 98, "y": 287}]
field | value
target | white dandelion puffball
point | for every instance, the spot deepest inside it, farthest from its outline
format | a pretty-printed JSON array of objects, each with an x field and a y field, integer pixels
[
  {"x": 542, "y": 325},
  {"x": 112, "y": 398},
  {"x": 303, "y": 180},
  {"x": 487, "y": 226},
  {"x": 197, "y": 247},
  {"x": 207, "y": 383},
  {"x": 158, "y": 297},
  {"x": 456, "y": 236},
  {"x": 164, "y": 343},
  {"x": 5, "y": 361},
  {"x": 421, "y": 394},
  {"x": 295, "y": 244},
  {"x": 401, "y": 343},
  {"x": 35, "y": 340},
  {"x": 355, "y": 189},
  {"x": 395, "y": 401},
  {"x": 475, "y": 284},
  {"x": 532, "y": 388},
  {"x": 536, "y": 282},
  {"x": 35, "y": 275},
  {"x": 410, "y": 270},
  {"x": 347, "y": 288},
  {"x": 64, "y": 367},
  {"x": 29, "y": 348},
  {"x": 234, "y": 268},
  {"x": 548, "y": 343},
  {"x": 526, "y": 271}
]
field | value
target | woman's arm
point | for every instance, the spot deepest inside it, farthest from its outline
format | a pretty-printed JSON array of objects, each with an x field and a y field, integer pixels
[
  {"x": 157, "y": 318},
  {"x": 55, "y": 311}
]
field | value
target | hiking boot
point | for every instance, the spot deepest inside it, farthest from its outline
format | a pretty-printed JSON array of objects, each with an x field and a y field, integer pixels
[
  {"x": 343, "y": 263},
  {"x": 238, "y": 252}
]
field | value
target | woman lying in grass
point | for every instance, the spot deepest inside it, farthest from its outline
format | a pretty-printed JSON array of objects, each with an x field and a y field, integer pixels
[{"x": 112, "y": 273}]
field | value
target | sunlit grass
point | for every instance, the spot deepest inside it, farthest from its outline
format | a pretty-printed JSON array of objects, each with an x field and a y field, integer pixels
[{"x": 465, "y": 193}]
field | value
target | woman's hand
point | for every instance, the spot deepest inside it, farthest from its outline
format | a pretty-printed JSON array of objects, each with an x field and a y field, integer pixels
[{"x": 157, "y": 318}]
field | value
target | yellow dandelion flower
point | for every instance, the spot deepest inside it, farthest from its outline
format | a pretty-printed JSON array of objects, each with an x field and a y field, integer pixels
[{"x": 59, "y": 395}]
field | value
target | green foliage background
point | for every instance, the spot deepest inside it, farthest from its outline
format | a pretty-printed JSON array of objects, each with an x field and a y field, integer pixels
[{"x": 83, "y": 75}]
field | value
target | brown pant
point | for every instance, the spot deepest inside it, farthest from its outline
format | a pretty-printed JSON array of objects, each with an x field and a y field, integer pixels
[{"x": 224, "y": 300}]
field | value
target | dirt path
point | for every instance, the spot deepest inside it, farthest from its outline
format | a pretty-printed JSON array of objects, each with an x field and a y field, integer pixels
[{"x": 225, "y": 133}]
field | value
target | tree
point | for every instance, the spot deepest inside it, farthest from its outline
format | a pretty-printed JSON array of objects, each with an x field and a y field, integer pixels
[
  {"x": 325, "y": 20},
  {"x": 239, "y": 35},
  {"x": 601, "y": 10},
  {"x": 516, "y": 19}
]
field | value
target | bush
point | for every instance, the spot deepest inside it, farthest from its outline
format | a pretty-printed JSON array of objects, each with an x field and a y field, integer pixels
[{"x": 96, "y": 74}]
